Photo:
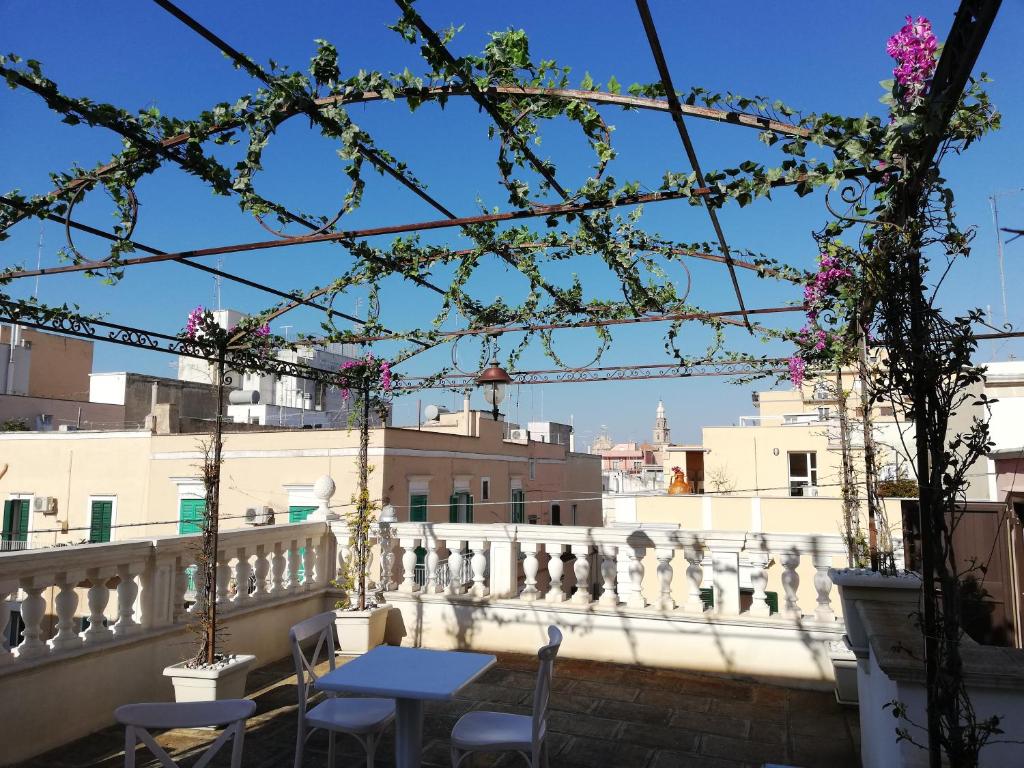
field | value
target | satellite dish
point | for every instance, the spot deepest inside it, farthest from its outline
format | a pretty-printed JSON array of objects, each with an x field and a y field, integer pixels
[{"x": 432, "y": 413}]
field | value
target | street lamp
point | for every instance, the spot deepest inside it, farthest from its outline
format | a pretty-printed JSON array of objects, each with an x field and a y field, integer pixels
[{"x": 493, "y": 381}]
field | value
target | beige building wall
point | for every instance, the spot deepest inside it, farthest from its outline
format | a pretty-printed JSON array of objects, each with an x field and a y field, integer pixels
[
  {"x": 59, "y": 366},
  {"x": 147, "y": 476}
]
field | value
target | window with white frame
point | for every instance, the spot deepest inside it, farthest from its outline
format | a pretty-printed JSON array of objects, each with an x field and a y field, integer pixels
[{"x": 803, "y": 473}]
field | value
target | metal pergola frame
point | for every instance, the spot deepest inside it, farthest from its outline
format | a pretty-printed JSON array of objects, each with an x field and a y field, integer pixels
[{"x": 954, "y": 67}]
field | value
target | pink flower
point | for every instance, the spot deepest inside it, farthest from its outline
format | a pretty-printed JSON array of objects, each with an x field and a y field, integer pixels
[
  {"x": 797, "y": 370},
  {"x": 385, "y": 375},
  {"x": 195, "y": 317},
  {"x": 263, "y": 330},
  {"x": 913, "y": 48}
]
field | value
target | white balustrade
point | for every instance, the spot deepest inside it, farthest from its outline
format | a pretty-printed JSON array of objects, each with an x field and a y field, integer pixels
[
  {"x": 33, "y": 606},
  {"x": 581, "y": 567},
  {"x": 308, "y": 565},
  {"x": 293, "y": 566},
  {"x": 665, "y": 573},
  {"x": 694, "y": 554},
  {"x": 127, "y": 591},
  {"x": 261, "y": 567},
  {"x": 242, "y": 571},
  {"x": 479, "y": 565},
  {"x": 408, "y": 546},
  {"x": 98, "y": 597},
  {"x": 609, "y": 597},
  {"x": 223, "y": 579},
  {"x": 66, "y": 604},
  {"x": 759, "y": 582},
  {"x": 790, "y": 560},
  {"x": 530, "y": 567},
  {"x": 556, "y": 592},
  {"x": 456, "y": 565},
  {"x": 431, "y": 560},
  {"x": 636, "y": 577},
  {"x": 823, "y": 586}
]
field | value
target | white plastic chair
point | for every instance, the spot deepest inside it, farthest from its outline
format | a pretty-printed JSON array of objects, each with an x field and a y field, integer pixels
[
  {"x": 501, "y": 732},
  {"x": 139, "y": 718},
  {"x": 364, "y": 719}
]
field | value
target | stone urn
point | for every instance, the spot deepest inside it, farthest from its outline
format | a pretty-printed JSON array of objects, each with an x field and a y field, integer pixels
[{"x": 679, "y": 486}]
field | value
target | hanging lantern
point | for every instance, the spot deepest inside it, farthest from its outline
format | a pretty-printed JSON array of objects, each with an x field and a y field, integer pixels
[{"x": 493, "y": 381}]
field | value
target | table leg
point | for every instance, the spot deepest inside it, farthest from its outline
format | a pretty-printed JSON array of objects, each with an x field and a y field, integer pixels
[{"x": 408, "y": 733}]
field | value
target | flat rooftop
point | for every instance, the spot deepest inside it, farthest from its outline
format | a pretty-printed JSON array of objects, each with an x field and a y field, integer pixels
[{"x": 601, "y": 715}]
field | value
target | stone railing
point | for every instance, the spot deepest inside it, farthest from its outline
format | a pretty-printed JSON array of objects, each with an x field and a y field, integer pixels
[
  {"x": 99, "y": 592},
  {"x": 660, "y": 568}
]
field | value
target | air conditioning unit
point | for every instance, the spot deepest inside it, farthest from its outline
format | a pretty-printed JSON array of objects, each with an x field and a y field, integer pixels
[
  {"x": 811, "y": 490},
  {"x": 44, "y": 505},
  {"x": 518, "y": 434},
  {"x": 259, "y": 516},
  {"x": 67, "y": 428}
]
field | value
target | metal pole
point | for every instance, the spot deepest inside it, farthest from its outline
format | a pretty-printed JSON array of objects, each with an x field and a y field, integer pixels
[{"x": 999, "y": 254}]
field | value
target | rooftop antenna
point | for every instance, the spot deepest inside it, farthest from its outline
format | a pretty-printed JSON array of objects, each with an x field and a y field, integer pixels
[
  {"x": 39, "y": 261},
  {"x": 285, "y": 329},
  {"x": 216, "y": 283},
  {"x": 994, "y": 203}
]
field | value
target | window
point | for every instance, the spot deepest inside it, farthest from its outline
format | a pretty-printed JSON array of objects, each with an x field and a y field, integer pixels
[
  {"x": 485, "y": 488},
  {"x": 823, "y": 413},
  {"x": 101, "y": 513},
  {"x": 803, "y": 473},
  {"x": 460, "y": 508},
  {"x": 418, "y": 508},
  {"x": 298, "y": 513},
  {"x": 190, "y": 515},
  {"x": 533, "y": 469},
  {"x": 518, "y": 505},
  {"x": 574, "y": 514},
  {"x": 15, "y": 524},
  {"x": 556, "y": 514}
]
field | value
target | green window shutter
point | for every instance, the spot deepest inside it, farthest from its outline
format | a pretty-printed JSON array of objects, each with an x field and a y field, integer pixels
[
  {"x": 99, "y": 524},
  {"x": 453, "y": 509},
  {"x": 518, "y": 505},
  {"x": 8, "y": 520},
  {"x": 23, "y": 521},
  {"x": 192, "y": 512},
  {"x": 299, "y": 514},
  {"x": 469, "y": 508},
  {"x": 418, "y": 509}
]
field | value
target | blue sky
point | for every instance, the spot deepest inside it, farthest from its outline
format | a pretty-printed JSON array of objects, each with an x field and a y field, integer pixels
[{"x": 814, "y": 56}]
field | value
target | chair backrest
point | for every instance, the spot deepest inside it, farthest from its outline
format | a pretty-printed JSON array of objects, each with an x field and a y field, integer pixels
[
  {"x": 542, "y": 693},
  {"x": 321, "y": 627}
]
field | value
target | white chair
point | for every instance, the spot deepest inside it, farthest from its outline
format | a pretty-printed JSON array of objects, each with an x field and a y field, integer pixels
[
  {"x": 500, "y": 732},
  {"x": 364, "y": 719},
  {"x": 139, "y": 718}
]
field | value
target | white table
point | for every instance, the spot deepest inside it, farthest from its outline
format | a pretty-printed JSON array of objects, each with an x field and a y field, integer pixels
[{"x": 410, "y": 676}]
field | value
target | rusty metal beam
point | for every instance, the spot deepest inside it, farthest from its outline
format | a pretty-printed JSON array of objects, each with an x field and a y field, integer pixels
[{"x": 677, "y": 117}]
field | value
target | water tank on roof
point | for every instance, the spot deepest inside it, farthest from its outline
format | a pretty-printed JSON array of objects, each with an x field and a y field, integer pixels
[{"x": 244, "y": 397}]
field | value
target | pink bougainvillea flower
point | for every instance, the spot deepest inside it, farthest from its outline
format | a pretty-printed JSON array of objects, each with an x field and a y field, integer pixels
[
  {"x": 913, "y": 48},
  {"x": 797, "y": 370},
  {"x": 195, "y": 317},
  {"x": 263, "y": 330}
]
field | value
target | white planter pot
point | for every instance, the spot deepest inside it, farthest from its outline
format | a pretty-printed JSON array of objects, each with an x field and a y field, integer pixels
[
  {"x": 211, "y": 684},
  {"x": 359, "y": 631},
  {"x": 844, "y": 665},
  {"x": 857, "y": 584}
]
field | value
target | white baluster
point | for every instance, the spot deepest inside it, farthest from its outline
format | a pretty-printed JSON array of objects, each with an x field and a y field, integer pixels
[
  {"x": 127, "y": 591},
  {"x": 66, "y": 603},
  {"x": 479, "y": 565},
  {"x": 223, "y": 578},
  {"x": 307, "y": 565},
  {"x": 242, "y": 570},
  {"x": 694, "y": 555},
  {"x": 455, "y": 586},
  {"x": 261, "y": 568},
  {"x": 581, "y": 567},
  {"x": 556, "y": 592},
  {"x": 6, "y": 588},
  {"x": 408, "y": 584},
  {"x": 387, "y": 563},
  {"x": 293, "y": 566},
  {"x": 790, "y": 561},
  {"x": 278, "y": 585},
  {"x": 609, "y": 568},
  {"x": 530, "y": 567},
  {"x": 665, "y": 573},
  {"x": 179, "y": 588},
  {"x": 199, "y": 580},
  {"x": 636, "y": 578},
  {"x": 823, "y": 585},
  {"x": 33, "y": 606},
  {"x": 759, "y": 581},
  {"x": 431, "y": 562},
  {"x": 97, "y": 597}
]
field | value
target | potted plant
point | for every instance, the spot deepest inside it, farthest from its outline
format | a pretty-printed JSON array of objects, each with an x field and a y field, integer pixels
[
  {"x": 678, "y": 486},
  {"x": 211, "y": 673},
  {"x": 361, "y": 618}
]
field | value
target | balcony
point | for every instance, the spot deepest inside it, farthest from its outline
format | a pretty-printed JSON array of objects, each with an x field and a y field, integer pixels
[{"x": 659, "y": 604}]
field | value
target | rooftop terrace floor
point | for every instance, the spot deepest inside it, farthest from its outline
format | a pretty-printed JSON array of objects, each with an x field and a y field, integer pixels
[{"x": 602, "y": 715}]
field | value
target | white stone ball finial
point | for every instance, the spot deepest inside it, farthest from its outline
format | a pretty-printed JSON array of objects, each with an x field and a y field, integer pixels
[{"x": 324, "y": 489}]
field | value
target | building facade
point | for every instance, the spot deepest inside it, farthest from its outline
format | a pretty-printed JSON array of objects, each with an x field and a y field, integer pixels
[{"x": 61, "y": 488}]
